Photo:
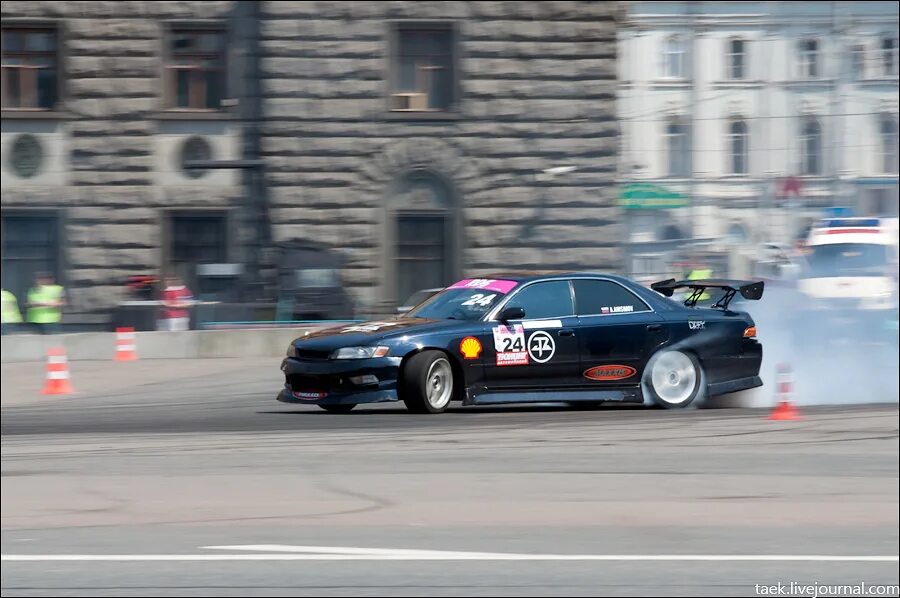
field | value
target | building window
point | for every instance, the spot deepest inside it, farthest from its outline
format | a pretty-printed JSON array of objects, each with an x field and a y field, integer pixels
[
  {"x": 811, "y": 148},
  {"x": 737, "y": 59},
  {"x": 738, "y": 147},
  {"x": 888, "y": 135},
  {"x": 195, "y": 69},
  {"x": 421, "y": 253},
  {"x": 30, "y": 245},
  {"x": 423, "y": 70},
  {"x": 30, "y": 68},
  {"x": 678, "y": 147},
  {"x": 674, "y": 58},
  {"x": 736, "y": 234},
  {"x": 197, "y": 238},
  {"x": 809, "y": 59},
  {"x": 422, "y": 231},
  {"x": 858, "y": 62},
  {"x": 889, "y": 56}
]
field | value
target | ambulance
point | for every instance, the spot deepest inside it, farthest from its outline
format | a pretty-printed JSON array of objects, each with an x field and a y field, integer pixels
[{"x": 851, "y": 271}]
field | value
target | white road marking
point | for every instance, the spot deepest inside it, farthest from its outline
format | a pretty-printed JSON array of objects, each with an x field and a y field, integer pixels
[{"x": 281, "y": 552}]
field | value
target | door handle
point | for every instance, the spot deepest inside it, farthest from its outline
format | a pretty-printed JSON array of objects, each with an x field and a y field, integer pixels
[
  {"x": 654, "y": 328},
  {"x": 566, "y": 332}
]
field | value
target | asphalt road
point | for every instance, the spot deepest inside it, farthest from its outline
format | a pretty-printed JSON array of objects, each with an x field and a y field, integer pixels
[{"x": 182, "y": 479}]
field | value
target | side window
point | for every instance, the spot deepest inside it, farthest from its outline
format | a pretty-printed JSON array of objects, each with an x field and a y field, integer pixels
[
  {"x": 544, "y": 300},
  {"x": 593, "y": 297}
]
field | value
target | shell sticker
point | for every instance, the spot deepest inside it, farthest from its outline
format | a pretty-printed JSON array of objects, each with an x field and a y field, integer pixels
[{"x": 470, "y": 347}]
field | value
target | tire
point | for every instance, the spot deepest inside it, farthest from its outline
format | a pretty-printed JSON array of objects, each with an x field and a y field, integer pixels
[
  {"x": 674, "y": 380},
  {"x": 426, "y": 385},
  {"x": 339, "y": 408}
]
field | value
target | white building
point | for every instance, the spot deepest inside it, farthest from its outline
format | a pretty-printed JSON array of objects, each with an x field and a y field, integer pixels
[{"x": 756, "y": 117}]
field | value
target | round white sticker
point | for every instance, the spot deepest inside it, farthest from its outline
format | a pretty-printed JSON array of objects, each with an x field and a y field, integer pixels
[{"x": 541, "y": 346}]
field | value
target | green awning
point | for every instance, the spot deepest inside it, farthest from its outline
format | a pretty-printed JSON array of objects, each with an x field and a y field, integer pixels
[{"x": 648, "y": 196}]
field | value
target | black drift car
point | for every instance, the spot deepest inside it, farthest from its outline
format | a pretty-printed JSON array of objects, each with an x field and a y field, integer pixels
[{"x": 580, "y": 338}]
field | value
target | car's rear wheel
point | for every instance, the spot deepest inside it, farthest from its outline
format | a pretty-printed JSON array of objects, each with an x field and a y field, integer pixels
[
  {"x": 339, "y": 408},
  {"x": 426, "y": 384},
  {"x": 673, "y": 379}
]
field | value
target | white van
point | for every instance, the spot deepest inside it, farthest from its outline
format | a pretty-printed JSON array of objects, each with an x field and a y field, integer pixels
[{"x": 852, "y": 264}]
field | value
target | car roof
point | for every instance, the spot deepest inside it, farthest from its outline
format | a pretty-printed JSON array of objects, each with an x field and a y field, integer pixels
[{"x": 522, "y": 277}]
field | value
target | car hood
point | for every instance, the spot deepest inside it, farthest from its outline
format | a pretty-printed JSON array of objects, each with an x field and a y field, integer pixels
[{"x": 368, "y": 333}]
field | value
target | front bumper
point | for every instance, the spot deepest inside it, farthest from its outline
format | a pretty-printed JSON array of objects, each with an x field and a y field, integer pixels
[{"x": 327, "y": 382}]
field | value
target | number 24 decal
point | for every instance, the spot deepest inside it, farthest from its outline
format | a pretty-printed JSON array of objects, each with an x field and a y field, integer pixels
[
  {"x": 479, "y": 299},
  {"x": 513, "y": 343}
]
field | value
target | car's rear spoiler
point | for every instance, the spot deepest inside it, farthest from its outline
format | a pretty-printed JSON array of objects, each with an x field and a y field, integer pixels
[{"x": 748, "y": 289}]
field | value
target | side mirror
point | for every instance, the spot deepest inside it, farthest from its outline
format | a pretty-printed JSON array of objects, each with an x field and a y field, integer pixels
[{"x": 512, "y": 313}]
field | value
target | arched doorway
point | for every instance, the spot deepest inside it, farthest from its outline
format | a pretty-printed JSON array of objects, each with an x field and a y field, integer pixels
[{"x": 422, "y": 233}]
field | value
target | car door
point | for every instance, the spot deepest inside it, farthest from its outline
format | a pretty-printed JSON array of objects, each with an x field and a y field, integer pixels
[
  {"x": 539, "y": 351},
  {"x": 617, "y": 332}
]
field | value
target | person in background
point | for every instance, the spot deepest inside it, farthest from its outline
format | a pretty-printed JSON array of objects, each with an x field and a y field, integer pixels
[
  {"x": 45, "y": 302},
  {"x": 176, "y": 301},
  {"x": 10, "y": 315}
]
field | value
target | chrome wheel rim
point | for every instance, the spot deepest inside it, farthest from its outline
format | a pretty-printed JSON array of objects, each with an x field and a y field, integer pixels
[
  {"x": 439, "y": 384},
  {"x": 674, "y": 377}
]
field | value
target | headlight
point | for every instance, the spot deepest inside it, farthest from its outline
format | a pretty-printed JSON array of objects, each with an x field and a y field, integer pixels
[
  {"x": 360, "y": 352},
  {"x": 291, "y": 350}
]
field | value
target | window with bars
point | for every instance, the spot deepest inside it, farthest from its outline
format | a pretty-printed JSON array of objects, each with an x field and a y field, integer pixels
[
  {"x": 888, "y": 145},
  {"x": 737, "y": 59},
  {"x": 809, "y": 59},
  {"x": 197, "y": 238},
  {"x": 31, "y": 245},
  {"x": 674, "y": 58},
  {"x": 422, "y": 257},
  {"x": 678, "y": 148},
  {"x": 858, "y": 62},
  {"x": 195, "y": 69},
  {"x": 811, "y": 147},
  {"x": 889, "y": 56},
  {"x": 738, "y": 146},
  {"x": 423, "y": 72},
  {"x": 30, "y": 64}
]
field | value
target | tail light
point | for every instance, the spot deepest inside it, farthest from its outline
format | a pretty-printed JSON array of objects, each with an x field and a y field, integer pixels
[{"x": 750, "y": 332}]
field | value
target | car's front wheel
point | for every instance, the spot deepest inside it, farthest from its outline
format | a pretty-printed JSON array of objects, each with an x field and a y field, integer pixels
[
  {"x": 426, "y": 384},
  {"x": 339, "y": 408},
  {"x": 673, "y": 379}
]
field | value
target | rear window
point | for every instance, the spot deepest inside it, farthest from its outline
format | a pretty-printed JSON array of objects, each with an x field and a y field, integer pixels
[{"x": 604, "y": 297}]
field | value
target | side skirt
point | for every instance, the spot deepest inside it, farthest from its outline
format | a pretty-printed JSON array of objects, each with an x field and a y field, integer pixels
[
  {"x": 485, "y": 397},
  {"x": 721, "y": 388}
]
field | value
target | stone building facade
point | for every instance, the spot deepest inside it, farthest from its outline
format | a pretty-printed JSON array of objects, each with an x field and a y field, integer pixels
[{"x": 420, "y": 140}]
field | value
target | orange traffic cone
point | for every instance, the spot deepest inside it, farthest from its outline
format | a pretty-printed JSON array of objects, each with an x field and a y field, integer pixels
[
  {"x": 784, "y": 387},
  {"x": 57, "y": 373},
  {"x": 125, "y": 348}
]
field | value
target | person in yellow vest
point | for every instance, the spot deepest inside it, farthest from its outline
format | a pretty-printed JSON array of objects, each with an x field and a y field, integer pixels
[
  {"x": 701, "y": 274},
  {"x": 45, "y": 302},
  {"x": 10, "y": 315}
]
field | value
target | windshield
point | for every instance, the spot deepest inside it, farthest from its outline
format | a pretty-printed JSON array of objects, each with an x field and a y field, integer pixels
[
  {"x": 468, "y": 299},
  {"x": 418, "y": 297},
  {"x": 847, "y": 259}
]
